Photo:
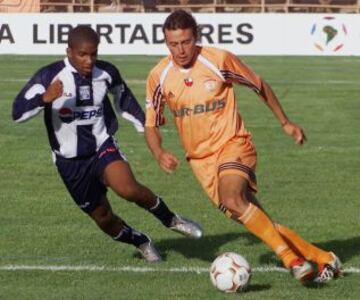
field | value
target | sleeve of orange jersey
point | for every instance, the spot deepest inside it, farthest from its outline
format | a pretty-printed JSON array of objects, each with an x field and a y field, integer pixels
[
  {"x": 235, "y": 71},
  {"x": 154, "y": 102}
]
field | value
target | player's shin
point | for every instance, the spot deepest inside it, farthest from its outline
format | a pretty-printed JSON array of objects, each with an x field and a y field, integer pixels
[
  {"x": 141, "y": 241},
  {"x": 306, "y": 249},
  {"x": 162, "y": 212},
  {"x": 131, "y": 236},
  {"x": 175, "y": 222},
  {"x": 259, "y": 224}
]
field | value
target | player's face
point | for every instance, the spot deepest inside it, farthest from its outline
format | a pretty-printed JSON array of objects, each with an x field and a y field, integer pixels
[
  {"x": 182, "y": 46},
  {"x": 83, "y": 57}
]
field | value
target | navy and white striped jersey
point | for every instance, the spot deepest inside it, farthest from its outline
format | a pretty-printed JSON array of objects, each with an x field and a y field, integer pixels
[{"x": 81, "y": 119}]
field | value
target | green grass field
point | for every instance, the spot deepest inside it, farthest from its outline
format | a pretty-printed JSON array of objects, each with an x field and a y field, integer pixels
[{"x": 313, "y": 189}]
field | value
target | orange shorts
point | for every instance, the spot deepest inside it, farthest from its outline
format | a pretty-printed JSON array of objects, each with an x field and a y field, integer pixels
[{"x": 237, "y": 156}]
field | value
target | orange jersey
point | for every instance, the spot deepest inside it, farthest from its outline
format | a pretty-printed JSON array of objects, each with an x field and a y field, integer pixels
[{"x": 201, "y": 99}]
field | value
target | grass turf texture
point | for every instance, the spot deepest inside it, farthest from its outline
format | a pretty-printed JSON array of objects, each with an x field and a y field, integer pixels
[{"x": 313, "y": 189}]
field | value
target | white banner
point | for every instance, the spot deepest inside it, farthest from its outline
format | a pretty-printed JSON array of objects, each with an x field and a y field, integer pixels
[{"x": 245, "y": 34}]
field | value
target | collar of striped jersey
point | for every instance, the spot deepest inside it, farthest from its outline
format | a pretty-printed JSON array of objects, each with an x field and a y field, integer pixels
[{"x": 69, "y": 65}]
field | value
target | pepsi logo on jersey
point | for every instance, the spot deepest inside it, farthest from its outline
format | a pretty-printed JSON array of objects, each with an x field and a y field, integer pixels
[{"x": 67, "y": 115}]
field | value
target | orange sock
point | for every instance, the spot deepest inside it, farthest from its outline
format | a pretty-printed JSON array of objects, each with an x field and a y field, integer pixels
[
  {"x": 259, "y": 224},
  {"x": 306, "y": 249}
]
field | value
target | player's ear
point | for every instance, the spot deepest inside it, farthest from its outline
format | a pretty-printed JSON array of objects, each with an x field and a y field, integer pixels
[
  {"x": 69, "y": 52},
  {"x": 165, "y": 39}
]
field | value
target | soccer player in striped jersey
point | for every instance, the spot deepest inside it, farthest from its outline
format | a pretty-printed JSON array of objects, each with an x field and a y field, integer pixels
[
  {"x": 196, "y": 83},
  {"x": 81, "y": 122}
]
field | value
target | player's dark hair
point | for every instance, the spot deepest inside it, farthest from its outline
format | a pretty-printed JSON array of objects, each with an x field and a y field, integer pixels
[
  {"x": 180, "y": 19},
  {"x": 82, "y": 33}
]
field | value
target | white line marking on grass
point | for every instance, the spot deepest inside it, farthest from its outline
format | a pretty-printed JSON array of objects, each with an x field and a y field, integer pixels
[
  {"x": 352, "y": 270},
  {"x": 121, "y": 269},
  {"x": 293, "y": 82},
  {"x": 94, "y": 268},
  {"x": 14, "y": 80}
]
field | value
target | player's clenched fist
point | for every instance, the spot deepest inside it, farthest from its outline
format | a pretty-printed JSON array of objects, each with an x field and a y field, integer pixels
[
  {"x": 53, "y": 92},
  {"x": 296, "y": 132},
  {"x": 168, "y": 162}
]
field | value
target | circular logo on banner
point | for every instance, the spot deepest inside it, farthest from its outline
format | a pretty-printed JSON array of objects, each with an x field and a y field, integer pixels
[{"x": 329, "y": 34}]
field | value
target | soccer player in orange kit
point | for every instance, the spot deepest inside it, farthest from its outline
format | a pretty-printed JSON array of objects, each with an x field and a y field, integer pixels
[{"x": 197, "y": 85}]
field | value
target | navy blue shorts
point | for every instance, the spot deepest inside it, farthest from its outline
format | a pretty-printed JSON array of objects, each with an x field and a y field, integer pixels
[{"x": 83, "y": 176}]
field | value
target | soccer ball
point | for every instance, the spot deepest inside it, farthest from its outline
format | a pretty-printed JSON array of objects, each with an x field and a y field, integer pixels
[{"x": 230, "y": 272}]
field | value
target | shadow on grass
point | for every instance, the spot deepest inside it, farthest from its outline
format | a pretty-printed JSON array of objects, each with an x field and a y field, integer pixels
[
  {"x": 257, "y": 288},
  {"x": 344, "y": 249},
  {"x": 206, "y": 248}
]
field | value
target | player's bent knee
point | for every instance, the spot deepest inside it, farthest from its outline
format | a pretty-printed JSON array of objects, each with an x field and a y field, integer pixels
[
  {"x": 236, "y": 205},
  {"x": 103, "y": 218},
  {"x": 130, "y": 193}
]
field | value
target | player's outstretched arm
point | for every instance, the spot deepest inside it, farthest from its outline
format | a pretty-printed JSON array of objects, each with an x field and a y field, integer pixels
[
  {"x": 128, "y": 107},
  {"x": 290, "y": 128},
  {"x": 166, "y": 160},
  {"x": 125, "y": 102}
]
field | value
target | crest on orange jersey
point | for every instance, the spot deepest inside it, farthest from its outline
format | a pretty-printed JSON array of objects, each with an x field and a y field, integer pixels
[
  {"x": 188, "y": 81},
  {"x": 210, "y": 85}
]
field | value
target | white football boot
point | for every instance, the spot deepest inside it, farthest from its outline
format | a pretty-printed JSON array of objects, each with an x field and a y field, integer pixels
[
  {"x": 149, "y": 252},
  {"x": 186, "y": 227},
  {"x": 329, "y": 271},
  {"x": 302, "y": 270}
]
